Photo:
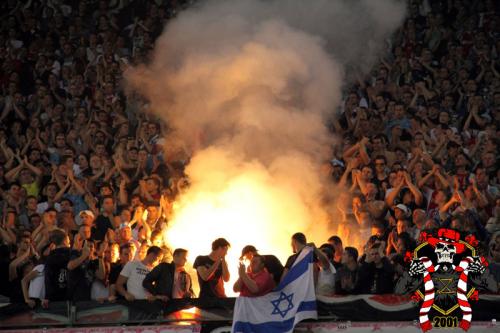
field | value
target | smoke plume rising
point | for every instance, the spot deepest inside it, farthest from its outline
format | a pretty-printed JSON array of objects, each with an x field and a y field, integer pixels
[{"x": 246, "y": 87}]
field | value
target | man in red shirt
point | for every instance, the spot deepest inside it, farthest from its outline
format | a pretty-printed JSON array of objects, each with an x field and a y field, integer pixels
[{"x": 257, "y": 282}]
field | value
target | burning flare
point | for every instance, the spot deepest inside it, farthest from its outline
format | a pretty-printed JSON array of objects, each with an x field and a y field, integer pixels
[{"x": 241, "y": 202}]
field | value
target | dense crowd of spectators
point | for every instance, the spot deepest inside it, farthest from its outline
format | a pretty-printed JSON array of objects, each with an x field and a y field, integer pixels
[
  {"x": 86, "y": 190},
  {"x": 420, "y": 136}
]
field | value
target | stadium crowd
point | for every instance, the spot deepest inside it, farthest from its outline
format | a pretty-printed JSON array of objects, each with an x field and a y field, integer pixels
[{"x": 86, "y": 191}]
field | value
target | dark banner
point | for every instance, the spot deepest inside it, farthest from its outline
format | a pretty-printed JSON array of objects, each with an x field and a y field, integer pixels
[
  {"x": 394, "y": 308},
  {"x": 356, "y": 308}
]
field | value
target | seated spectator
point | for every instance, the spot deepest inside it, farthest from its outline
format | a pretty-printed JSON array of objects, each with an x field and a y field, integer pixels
[
  {"x": 170, "y": 280},
  {"x": 133, "y": 274},
  {"x": 257, "y": 281}
]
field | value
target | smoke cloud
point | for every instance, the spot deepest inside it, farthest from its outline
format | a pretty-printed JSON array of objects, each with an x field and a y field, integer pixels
[{"x": 246, "y": 87}]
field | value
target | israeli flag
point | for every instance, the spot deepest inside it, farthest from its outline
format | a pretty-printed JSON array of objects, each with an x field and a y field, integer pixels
[{"x": 292, "y": 301}]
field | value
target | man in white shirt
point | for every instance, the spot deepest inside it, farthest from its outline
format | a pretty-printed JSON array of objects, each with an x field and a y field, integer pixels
[
  {"x": 33, "y": 285},
  {"x": 325, "y": 284},
  {"x": 50, "y": 191},
  {"x": 134, "y": 273}
]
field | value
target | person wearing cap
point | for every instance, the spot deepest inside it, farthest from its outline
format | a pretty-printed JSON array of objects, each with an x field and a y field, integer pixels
[
  {"x": 87, "y": 217},
  {"x": 406, "y": 191},
  {"x": 271, "y": 262},
  {"x": 125, "y": 235},
  {"x": 337, "y": 169},
  {"x": 402, "y": 214}
]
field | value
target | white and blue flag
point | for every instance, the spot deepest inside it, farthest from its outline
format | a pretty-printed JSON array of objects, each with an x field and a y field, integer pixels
[{"x": 292, "y": 301}]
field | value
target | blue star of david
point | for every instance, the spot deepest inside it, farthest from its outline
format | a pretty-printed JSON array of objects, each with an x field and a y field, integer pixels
[{"x": 277, "y": 302}]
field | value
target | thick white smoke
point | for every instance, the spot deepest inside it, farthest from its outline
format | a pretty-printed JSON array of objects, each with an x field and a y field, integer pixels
[{"x": 246, "y": 86}]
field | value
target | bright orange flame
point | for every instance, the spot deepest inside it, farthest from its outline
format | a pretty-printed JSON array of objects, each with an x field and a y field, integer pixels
[
  {"x": 185, "y": 317},
  {"x": 245, "y": 209}
]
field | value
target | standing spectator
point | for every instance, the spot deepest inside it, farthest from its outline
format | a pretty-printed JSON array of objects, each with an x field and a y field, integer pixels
[
  {"x": 257, "y": 281},
  {"x": 336, "y": 242},
  {"x": 299, "y": 242},
  {"x": 170, "y": 280},
  {"x": 21, "y": 266},
  {"x": 56, "y": 271},
  {"x": 105, "y": 219},
  {"x": 375, "y": 275},
  {"x": 133, "y": 274},
  {"x": 347, "y": 273},
  {"x": 33, "y": 285},
  {"x": 126, "y": 255},
  {"x": 212, "y": 270},
  {"x": 494, "y": 256},
  {"x": 83, "y": 268},
  {"x": 271, "y": 262},
  {"x": 325, "y": 282},
  {"x": 53, "y": 196}
]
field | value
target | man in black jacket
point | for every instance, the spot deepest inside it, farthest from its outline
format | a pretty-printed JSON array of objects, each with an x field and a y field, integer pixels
[
  {"x": 375, "y": 274},
  {"x": 170, "y": 280},
  {"x": 56, "y": 272}
]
